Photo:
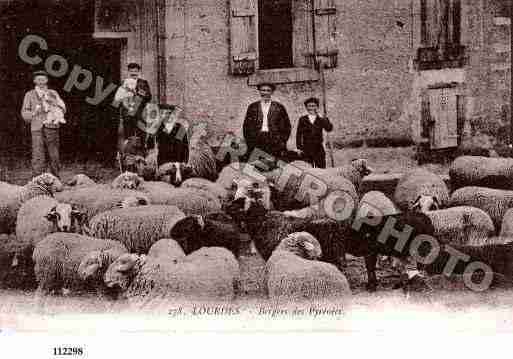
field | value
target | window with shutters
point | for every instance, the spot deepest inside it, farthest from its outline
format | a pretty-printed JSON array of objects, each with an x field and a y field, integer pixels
[
  {"x": 440, "y": 33},
  {"x": 278, "y": 40}
]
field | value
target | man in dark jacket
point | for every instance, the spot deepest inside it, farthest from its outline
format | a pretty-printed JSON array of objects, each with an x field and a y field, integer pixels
[
  {"x": 266, "y": 125},
  {"x": 309, "y": 138},
  {"x": 133, "y": 95}
]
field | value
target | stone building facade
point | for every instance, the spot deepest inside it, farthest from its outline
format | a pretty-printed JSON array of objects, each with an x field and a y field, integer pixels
[
  {"x": 399, "y": 64},
  {"x": 412, "y": 70}
]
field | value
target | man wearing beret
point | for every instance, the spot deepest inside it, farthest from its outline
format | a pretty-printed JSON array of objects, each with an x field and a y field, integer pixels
[
  {"x": 309, "y": 137},
  {"x": 266, "y": 125},
  {"x": 44, "y": 110}
]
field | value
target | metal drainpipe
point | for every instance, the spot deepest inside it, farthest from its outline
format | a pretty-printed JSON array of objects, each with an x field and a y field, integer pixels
[{"x": 511, "y": 77}]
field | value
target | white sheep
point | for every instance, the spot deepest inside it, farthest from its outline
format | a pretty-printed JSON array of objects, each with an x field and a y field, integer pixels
[
  {"x": 73, "y": 261},
  {"x": 417, "y": 185},
  {"x": 189, "y": 200},
  {"x": 293, "y": 272},
  {"x": 203, "y": 185},
  {"x": 461, "y": 225},
  {"x": 100, "y": 198},
  {"x": 495, "y": 202},
  {"x": 481, "y": 172},
  {"x": 138, "y": 228},
  {"x": 12, "y": 197},
  {"x": 39, "y": 217},
  {"x": 209, "y": 273}
]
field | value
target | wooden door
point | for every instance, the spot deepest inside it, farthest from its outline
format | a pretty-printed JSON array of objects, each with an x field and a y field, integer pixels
[{"x": 443, "y": 108}]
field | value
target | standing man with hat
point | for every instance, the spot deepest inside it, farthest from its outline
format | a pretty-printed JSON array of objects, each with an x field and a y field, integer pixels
[
  {"x": 134, "y": 94},
  {"x": 44, "y": 110},
  {"x": 309, "y": 137},
  {"x": 266, "y": 125}
]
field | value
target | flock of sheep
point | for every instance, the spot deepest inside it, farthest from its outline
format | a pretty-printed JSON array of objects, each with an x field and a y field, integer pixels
[{"x": 147, "y": 239}]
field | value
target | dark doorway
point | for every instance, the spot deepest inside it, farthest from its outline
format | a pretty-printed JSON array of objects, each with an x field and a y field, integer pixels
[
  {"x": 67, "y": 26},
  {"x": 275, "y": 33}
]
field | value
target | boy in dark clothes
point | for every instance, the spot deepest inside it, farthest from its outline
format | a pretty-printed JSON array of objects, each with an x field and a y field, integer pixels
[
  {"x": 309, "y": 138},
  {"x": 172, "y": 140}
]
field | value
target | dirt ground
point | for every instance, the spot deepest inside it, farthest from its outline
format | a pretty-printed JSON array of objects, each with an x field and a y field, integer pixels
[{"x": 443, "y": 299}]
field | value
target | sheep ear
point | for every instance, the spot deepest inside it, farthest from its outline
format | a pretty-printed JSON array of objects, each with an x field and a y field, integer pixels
[
  {"x": 52, "y": 215},
  {"x": 129, "y": 262},
  {"x": 416, "y": 204},
  {"x": 436, "y": 202}
]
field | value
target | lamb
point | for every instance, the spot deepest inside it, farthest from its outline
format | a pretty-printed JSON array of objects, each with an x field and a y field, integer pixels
[
  {"x": 495, "y": 202},
  {"x": 138, "y": 228},
  {"x": 359, "y": 238},
  {"x": 201, "y": 163},
  {"x": 294, "y": 273},
  {"x": 481, "y": 172},
  {"x": 417, "y": 183},
  {"x": 209, "y": 273},
  {"x": 212, "y": 230},
  {"x": 12, "y": 197},
  {"x": 63, "y": 260},
  {"x": 462, "y": 225}
]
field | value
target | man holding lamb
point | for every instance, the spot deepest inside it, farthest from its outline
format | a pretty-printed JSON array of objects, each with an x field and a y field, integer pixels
[{"x": 44, "y": 110}]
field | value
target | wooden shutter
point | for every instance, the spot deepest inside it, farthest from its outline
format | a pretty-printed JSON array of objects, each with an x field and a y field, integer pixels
[
  {"x": 243, "y": 36},
  {"x": 325, "y": 32},
  {"x": 440, "y": 22},
  {"x": 430, "y": 22},
  {"x": 114, "y": 16},
  {"x": 443, "y": 105}
]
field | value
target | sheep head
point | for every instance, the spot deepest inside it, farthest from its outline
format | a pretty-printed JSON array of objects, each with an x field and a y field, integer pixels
[
  {"x": 302, "y": 244},
  {"x": 65, "y": 217},
  {"x": 127, "y": 180},
  {"x": 134, "y": 201},
  {"x": 175, "y": 172},
  {"x": 362, "y": 166},
  {"x": 425, "y": 203},
  {"x": 122, "y": 271},
  {"x": 186, "y": 230},
  {"x": 48, "y": 182},
  {"x": 93, "y": 265}
]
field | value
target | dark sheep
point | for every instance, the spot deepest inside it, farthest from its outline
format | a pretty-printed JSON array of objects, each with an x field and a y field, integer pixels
[
  {"x": 269, "y": 228},
  {"x": 211, "y": 230}
]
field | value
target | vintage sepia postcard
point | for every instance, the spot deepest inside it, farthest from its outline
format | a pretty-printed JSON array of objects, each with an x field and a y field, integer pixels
[{"x": 255, "y": 166}]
